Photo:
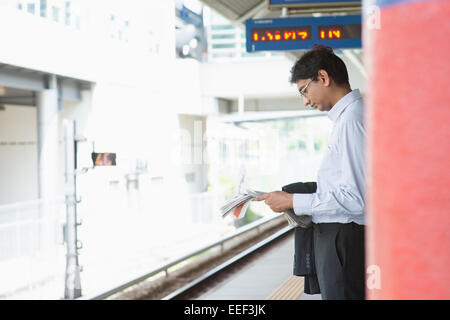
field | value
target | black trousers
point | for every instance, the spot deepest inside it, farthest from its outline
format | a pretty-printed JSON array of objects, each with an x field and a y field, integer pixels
[{"x": 339, "y": 260}]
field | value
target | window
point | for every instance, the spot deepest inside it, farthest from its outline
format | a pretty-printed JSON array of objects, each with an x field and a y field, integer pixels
[
  {"x": 68, "y": 17},
  {"x": 223, "y": 46},
  {"x": 55, "y": 14},
  {"x": 31, "y": 8},
  {"x": 112, "y": 20},
  {"x": 222, "y": 27},
  {"x": 43, "y": 8},
  {"x": 222, "y": 36},
  {"x": 77, "y": 22}
]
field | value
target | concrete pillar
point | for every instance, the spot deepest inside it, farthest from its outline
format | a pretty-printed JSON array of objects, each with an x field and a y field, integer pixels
[
  {"x": 48, "y": 150},
  {"x": 241, "y": 104},
  {"x": 408, "y": 239}
]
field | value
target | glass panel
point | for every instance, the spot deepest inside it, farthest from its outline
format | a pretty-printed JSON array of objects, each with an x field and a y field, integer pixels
[
  {"x": 223, "y": 36},
  {"x": 222, "y": 27},
  {"x": 43, "y": 8},
  {"x": 55, "y": 14},
  {"x": 31, "y": 8},
  {"x": 68, "y": 17},
  {"x": 223, "y": 46}
]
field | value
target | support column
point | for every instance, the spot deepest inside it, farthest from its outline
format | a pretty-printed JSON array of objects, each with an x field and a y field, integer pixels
[
  {"x": 48, "y": 168},
  {"x": 408, "y": 239},
  {"x": 241, "y": 104}
]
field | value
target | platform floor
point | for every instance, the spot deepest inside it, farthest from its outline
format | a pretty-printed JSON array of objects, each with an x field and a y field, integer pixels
[{"x": 260, "y": 278}]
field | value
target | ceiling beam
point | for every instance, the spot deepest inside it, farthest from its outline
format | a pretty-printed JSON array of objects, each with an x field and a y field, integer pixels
[
  {"x": 10, "y": 77},
  {"x": 260, "y": 9}
]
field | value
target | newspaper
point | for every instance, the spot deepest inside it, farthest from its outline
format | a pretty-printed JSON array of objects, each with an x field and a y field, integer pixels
[{"x": 239, "y": 202}]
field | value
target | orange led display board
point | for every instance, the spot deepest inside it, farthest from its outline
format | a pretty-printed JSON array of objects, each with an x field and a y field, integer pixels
[{"x": 294, "y": 33}]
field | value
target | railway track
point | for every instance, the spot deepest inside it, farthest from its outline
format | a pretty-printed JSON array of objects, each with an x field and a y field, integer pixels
[{"x": 216, "y": 275}]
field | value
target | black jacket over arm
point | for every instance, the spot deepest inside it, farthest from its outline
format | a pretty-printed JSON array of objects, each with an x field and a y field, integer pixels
[{"x": 304, "y": 264}]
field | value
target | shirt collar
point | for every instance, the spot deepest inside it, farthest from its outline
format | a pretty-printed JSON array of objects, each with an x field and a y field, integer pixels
[{"x": 340, "y": 106}]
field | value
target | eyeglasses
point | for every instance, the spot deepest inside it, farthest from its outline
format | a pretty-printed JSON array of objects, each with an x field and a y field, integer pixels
[{"x": 303, "y": 91}]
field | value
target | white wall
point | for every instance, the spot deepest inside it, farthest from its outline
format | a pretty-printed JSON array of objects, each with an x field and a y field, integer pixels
[{"x": 18, "y": 154}]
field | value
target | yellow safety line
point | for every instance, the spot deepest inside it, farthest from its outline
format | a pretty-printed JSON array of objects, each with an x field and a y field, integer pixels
[{"x": 291, "y": 289}]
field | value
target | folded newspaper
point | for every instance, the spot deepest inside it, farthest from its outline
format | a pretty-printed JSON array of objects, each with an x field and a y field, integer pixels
[{"x": 239, "y": 202}]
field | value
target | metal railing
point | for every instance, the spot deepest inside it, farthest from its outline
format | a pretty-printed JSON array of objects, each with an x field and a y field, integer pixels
[
  {"x": 31, "y": 248},
  {"x": 165, "y": 268}
]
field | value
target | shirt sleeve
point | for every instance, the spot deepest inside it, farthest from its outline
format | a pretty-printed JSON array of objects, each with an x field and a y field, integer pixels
[{"x": 347, "y": 195}]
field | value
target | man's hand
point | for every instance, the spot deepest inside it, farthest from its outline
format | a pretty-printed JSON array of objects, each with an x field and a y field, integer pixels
[{"x": 278, "y": 201}]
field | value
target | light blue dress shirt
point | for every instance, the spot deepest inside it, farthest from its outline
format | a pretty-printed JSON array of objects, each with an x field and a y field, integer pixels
[{"x": 341, "y": 177}]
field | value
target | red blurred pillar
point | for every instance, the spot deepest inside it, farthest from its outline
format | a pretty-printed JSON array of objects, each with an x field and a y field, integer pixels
[{"x": 407, "y": 54}]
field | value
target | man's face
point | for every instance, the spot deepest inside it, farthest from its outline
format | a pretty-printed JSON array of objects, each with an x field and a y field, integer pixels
[{"x": 315, "y": 95}]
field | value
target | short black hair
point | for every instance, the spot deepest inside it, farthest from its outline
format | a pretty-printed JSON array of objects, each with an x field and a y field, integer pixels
[{"x": 320, "y": 57}]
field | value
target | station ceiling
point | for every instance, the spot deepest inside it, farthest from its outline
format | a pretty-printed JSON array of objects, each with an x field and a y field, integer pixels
[{"x": 240, "y": 10}]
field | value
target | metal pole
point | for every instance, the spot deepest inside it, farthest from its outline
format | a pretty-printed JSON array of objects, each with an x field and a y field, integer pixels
[{"x": 72, "y": 280}]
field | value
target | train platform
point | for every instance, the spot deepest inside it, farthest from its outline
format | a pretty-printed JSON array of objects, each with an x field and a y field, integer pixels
[{"x": 267, "y": 277}]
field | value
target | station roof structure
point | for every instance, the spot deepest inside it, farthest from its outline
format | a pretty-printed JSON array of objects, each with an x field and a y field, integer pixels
[{"x": 237, "y": 11}]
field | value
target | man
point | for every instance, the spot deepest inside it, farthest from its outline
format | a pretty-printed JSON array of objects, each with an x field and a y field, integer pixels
[{"x": 337, "y": 206}]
